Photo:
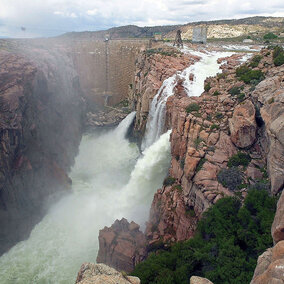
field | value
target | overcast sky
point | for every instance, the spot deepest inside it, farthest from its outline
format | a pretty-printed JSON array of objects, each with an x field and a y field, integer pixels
[{"x": 54, "y": 17}]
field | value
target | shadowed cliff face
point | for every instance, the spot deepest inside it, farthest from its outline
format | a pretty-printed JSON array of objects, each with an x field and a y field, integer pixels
[{"x": 41, "y": 115}]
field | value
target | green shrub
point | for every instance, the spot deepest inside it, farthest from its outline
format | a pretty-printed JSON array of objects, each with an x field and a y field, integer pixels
[
  {"x": 252, "y": 75},
  {"x": 216, "y": 93},
  {"x": 234, "y": 91},
  {"x": 241, "y": 97},
  {"x": 255, "y": 61},
  {"x": 248, "y": 75},
  {"x": 169, "y": 181},
  {"x": 219, "y": 115},
  {"x": 277, "y": 50},
  {"x": 242, "y": 70},
  {"x": 270, "y": 35},
  {"x": 200, "y": 164},
  {"x": 240, "y": 159},
  {"x": 279, "y": 60},
  {"x": 228, "y": 240},
  {"x": 192, "y": 107},
  {"x": 222, "y": 75},
  {"x": 230, "y": 178},
  {"x": 214, "y": 126},
  {"x": 197, "y": 141},
  {"x": 207, "y": 87}
]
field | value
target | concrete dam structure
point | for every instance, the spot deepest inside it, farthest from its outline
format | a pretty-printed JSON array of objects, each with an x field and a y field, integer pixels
[
  {"x": 199, "y": 34},
  {"x": 106, "y": 68}
]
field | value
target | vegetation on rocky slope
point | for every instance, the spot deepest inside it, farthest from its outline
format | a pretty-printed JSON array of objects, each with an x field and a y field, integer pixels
[{"x": 225, "y": 247}]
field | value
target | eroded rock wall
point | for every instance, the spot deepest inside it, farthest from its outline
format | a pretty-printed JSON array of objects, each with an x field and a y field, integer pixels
[
  {"x": 203, "y": 141},
  {"x": 41, "y": 113}
]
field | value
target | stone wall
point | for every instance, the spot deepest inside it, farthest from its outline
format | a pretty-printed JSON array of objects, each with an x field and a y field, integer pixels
[{"x": 97, "y": 60}]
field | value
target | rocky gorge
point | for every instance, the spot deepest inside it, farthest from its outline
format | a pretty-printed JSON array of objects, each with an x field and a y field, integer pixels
[{"x": 222, "y": 143}]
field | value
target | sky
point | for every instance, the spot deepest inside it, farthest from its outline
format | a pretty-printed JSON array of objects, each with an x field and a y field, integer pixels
[{"x": 44, "y": 18}]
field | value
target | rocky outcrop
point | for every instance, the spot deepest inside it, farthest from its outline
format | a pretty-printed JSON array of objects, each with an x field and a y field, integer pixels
[
  {"x": 269, "y": 96},
  {"x": 243, "y": 125},
  {"x": 270, "y": 266},
  {"x": 122, "y": 245},
  {"x": 170, "y": 217},
  {"x": 199, "y": 280},
  {"x": 102, "y": 274},
  {"x": 41, "y": 114},
  {"x": 277, "y": 229}
]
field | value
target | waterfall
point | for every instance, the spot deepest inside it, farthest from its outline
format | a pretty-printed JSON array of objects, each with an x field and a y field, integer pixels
[
  {"x": 111, "y": 180},
  {"x": 207, "y": 66}
]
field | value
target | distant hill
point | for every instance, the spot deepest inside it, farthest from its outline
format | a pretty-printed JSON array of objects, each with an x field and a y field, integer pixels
[
  {"x": 129, "y": 31},
  {"x": 252, "y": 26},
  {"x": 216, "y": 29}
]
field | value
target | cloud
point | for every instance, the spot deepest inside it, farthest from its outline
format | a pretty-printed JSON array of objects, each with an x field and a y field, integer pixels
[{"x": 53, "y": 17}]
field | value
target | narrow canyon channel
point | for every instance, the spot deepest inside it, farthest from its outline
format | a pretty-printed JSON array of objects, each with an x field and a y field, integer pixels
[{"x": 111, "y": 180}]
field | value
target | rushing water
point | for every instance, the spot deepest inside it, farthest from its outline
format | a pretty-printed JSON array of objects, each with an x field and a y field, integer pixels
[
  {"x": 207, "y": 66},
  {"x": 110, "y": 180}
]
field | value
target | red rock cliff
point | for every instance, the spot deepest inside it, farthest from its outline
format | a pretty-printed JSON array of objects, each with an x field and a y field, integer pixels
[{"x": 40, "y": 129}]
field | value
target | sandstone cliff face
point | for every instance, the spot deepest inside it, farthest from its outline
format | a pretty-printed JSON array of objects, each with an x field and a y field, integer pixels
[
  {"x": 204, "y": 141},
  {"x": 122, "y": 245},
  {"x": 41, "y": 114},
  {"x": 102, "y": 274}
]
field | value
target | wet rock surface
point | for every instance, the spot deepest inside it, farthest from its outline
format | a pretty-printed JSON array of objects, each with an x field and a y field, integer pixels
[{"x": 41, "y": 113}]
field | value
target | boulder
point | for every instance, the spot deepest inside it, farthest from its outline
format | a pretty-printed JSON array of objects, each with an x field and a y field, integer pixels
[
  {"x": 102, "y": 274},
  {"x": 199, "y": 280},
  {"x": 122, "y": 245},
  {"x": 243, "y": 125},
  {"x": 277, "y": 229}
]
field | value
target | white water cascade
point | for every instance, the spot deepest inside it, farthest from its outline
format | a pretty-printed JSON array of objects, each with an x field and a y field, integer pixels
[
  {"x": 110, "y": 181},
  {"x": 207, "y": 66}
]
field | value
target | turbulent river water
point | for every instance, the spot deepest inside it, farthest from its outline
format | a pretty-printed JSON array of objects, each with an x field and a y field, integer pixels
[{"x": 111, "y": 180}]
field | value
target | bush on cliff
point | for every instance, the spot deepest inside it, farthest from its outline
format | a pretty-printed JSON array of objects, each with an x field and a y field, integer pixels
[
  {"x": 248, "y": 75},
  {"x": 225, "y": 248},
  {"x": 278, "y": 55},
  {"x": 192, "y": 107}
]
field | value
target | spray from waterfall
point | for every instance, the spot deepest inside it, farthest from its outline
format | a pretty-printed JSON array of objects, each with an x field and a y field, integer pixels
[{"x": 111, "y": 180}]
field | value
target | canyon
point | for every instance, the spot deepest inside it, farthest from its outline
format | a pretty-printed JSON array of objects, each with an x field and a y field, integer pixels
[{"x": 50, "y": 89}]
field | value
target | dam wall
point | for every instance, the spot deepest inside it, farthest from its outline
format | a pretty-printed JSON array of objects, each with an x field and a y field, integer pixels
[{"x": 106, "y": 68}]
